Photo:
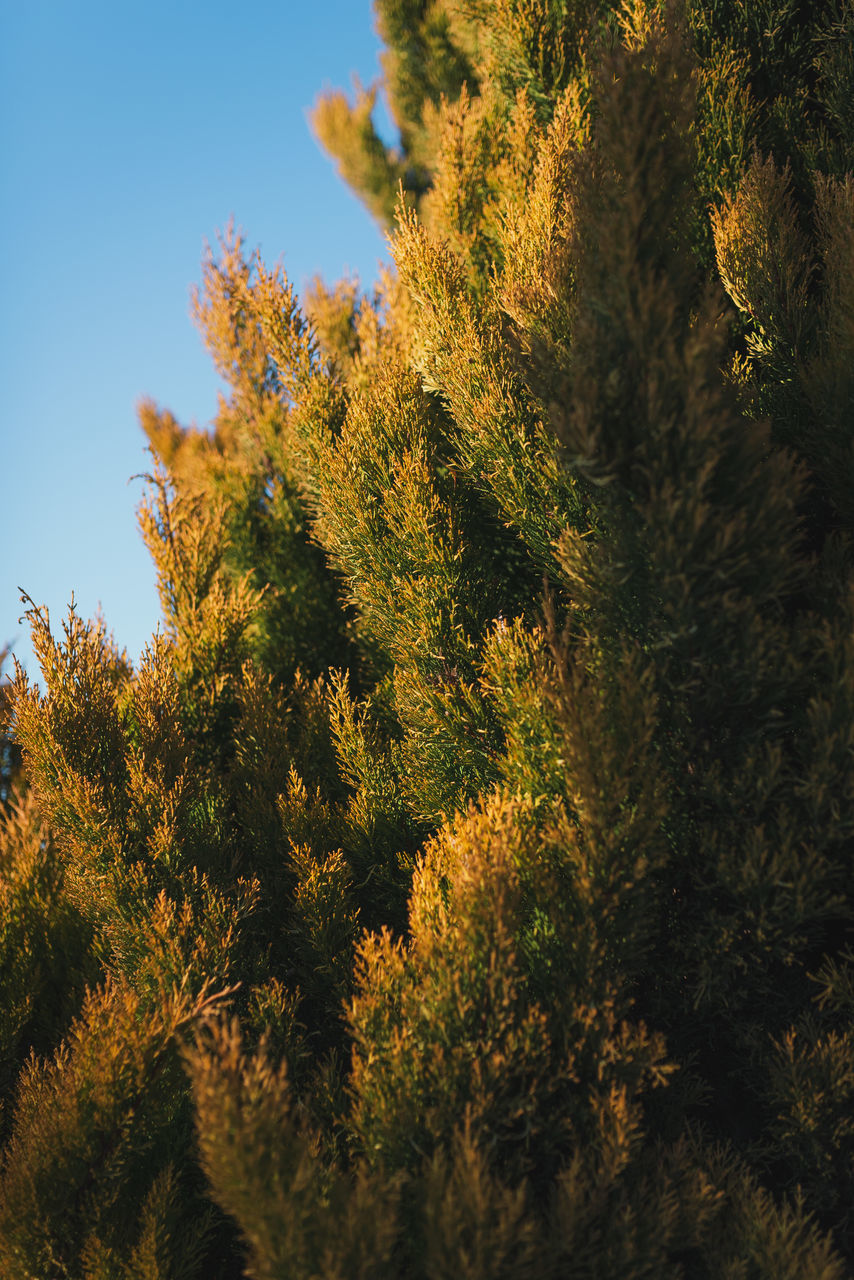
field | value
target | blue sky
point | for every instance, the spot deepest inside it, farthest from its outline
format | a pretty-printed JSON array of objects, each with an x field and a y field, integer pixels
[{"x": 130, "y": 133}]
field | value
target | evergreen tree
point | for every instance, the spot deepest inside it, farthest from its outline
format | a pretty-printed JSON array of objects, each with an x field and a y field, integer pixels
[{"x": 462, "y": 882}]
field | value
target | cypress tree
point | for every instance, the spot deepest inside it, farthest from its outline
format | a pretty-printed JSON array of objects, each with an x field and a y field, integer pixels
[{"x": 461, "y": 883}]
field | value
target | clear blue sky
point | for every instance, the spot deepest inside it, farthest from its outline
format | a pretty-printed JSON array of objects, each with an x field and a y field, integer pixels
[{"x": 130, "y": 132}]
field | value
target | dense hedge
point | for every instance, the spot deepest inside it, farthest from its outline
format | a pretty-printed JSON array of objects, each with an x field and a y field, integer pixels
[{"x": 462, "y": 883}]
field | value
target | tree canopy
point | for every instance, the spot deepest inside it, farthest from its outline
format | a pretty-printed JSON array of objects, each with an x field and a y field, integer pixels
[{"x": 461, "y": 884}]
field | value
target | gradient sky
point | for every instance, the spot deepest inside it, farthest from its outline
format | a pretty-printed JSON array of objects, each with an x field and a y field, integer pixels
[{"x": 130, "y": 132}]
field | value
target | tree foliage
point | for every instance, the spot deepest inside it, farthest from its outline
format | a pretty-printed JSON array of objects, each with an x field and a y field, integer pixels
[{"x": 461, "y": 884}]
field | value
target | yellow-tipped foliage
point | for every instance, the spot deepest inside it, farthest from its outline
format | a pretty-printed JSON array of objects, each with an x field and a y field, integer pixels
[{"x": 494, "y": 761}]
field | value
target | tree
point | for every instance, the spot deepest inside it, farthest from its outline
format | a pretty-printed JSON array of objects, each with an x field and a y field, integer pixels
[{"x": 462, "y": 884}]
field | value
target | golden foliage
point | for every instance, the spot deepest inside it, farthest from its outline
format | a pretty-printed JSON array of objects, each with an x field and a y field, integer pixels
[{"x": 532, "y": 907}]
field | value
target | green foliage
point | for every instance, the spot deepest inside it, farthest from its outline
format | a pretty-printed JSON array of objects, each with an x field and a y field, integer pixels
[
  {"x": 299, "y": 1216},
  {"x": 92, "y": 1155},
  {"x": 45, "y": 945},
  {"x": 247, "y": 518},
  {"x": 494, "y": 763}
]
